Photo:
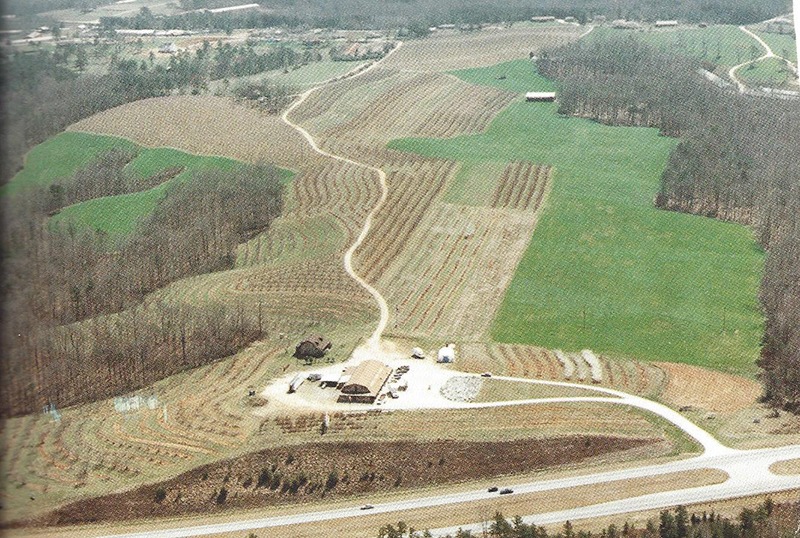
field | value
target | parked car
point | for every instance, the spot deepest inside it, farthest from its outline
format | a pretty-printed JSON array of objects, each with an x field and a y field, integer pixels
[
  {"x": 314, "y": 377},
  {"x": 486, "y": 374},
  {"x": 506, "y": 491},
  {"x": 492, "y": 489},
  {"x": 367, "y": 507}
]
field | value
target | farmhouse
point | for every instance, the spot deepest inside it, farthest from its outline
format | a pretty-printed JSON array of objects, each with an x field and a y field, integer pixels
[
  {"x": 314, "y": 346},
  {"x": 365, "y": 382},
  {"x": 546, "y": 97},
  {"x": 666, "y": 24}
]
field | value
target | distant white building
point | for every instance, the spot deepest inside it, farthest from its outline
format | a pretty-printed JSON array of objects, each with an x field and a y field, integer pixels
[
  {"x": 540, "y": 96},
  {"x": 666, "y": 24}
]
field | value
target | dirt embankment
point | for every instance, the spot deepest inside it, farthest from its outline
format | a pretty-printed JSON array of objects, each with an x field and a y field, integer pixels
[{"x": 310, "y": 472}]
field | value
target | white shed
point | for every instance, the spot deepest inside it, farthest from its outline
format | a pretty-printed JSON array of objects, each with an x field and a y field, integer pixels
[{"x": 446, "y": 354}]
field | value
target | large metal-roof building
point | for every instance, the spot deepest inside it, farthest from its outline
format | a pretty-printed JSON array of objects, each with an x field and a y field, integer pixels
[{"x": 366, "y": 381}]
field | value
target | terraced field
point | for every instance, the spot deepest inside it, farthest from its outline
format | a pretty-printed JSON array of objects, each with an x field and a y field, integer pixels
[
  {"x": 452, "y": 50},
  {"x": 634, "y": 377},
  {"x": 203, "y": 125}
]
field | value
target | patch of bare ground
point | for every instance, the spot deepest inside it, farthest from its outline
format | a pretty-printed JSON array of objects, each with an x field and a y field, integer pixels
[
  {"x": 790, "y": 467},
  {"x": 446, "y": 52},
  {"x": 204, "y": 125},
  {"x": 692, "y": 386},
  {"x": 288, "y": 475}
]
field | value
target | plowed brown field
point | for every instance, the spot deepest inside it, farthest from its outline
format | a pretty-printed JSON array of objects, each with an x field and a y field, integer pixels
[{"x": 693, "y": 386}]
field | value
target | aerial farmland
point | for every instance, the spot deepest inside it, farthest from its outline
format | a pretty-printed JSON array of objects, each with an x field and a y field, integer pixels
[{"x": 314, "y": 273}]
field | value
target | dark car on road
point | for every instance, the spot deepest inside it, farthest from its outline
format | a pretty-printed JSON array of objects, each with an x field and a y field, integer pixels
[
  {"x": 492, "y": 489},
  {"x": 367, "y": 507},
  {"x": 506, "y": 491}
]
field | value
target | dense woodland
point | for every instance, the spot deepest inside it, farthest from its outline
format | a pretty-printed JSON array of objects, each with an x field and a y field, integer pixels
[
  {"x": 768, "y": 520},
  {"x": 737, "y": 160},
  {"x": 77, "y": 322}
]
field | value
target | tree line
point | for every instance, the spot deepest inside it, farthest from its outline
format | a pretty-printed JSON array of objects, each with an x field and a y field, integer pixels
[
  {"x": 61, "y": 283},
  {"x": 767, "y": 520},
  {"x": 421, "y": 14},
  {"x": 736, "y": 161}
]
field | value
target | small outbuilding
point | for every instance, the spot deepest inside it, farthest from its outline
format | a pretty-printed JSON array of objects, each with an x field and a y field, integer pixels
[
  {"x": 666, "y": 24},
  {"x": 540, "y": 97},
  {"x": 447, "y": 354},
  {"x": 543, "y": 18},
  {"x": 366, "y": 381},
  {"x": 314, "y": 346}
]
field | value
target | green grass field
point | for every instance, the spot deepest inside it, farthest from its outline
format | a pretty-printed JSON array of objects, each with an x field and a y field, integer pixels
[
  {"x": 605, "y": 269},
  {"x": 769, "y": 72},
  {"x": 722, "y": 45},
  {"x": 781, "y": 44},
  {"x": 116, "y": 216},
  {"x": 61, "y": 156}
]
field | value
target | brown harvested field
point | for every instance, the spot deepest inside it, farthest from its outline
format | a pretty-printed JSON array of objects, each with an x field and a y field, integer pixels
[
  {"x": 204, "y": 125},
  {"x": 291, "y": 475},
  {"x": 449, "y": 51},
  {"x": 517, "y": 360},
  {"x": 693, "y": 386},
  {"x": 788, "y": 467}
]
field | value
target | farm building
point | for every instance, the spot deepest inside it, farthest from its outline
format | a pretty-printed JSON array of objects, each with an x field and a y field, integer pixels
[
  {"x": 540, "y": 97},
  {"x": 314, "y": 346},
  {"x": 365, "y": 382},
  {"x": 446, "y": 354},
  {"x": 543, "y": 18},
  {"x": 666, "y": 24}
]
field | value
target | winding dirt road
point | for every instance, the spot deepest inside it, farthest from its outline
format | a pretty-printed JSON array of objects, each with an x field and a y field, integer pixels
[{"x": 374, "y": 340}]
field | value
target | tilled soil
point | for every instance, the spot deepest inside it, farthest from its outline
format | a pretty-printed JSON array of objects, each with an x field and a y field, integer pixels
[{"x": 328, "y": 470}]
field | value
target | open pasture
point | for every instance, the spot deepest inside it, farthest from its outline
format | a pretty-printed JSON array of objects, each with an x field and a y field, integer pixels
[
  {"x": 117, "y": 216},
  {"x": 769, "y": 72},
  {"x": 60, "y": 157},
  {"x": 605, "y": 269},
  {"x": 448, "y": 51},
  {"x": 783, "y": 45}
]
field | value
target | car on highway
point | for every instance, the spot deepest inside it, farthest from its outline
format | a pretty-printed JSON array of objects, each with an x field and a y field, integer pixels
[
  {"x": 367, "y": 507},
  {"x": 486, "y": 374},
  {"x": 492, "y": 489},
  {"x": 506, "y": 491}
]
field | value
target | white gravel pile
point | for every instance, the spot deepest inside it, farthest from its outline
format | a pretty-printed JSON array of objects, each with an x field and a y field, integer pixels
[
  {"x": 594, "y": 363},
  {"x": 462, "y": 389}
]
